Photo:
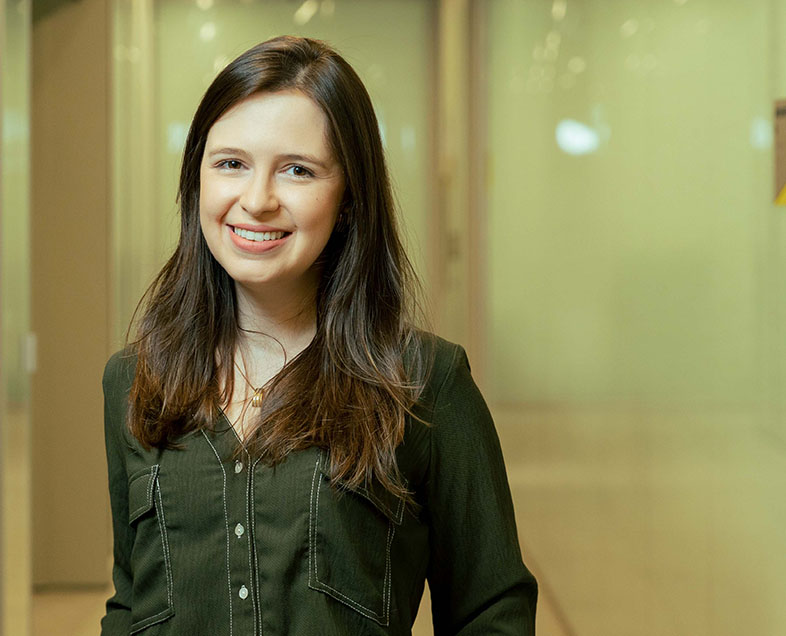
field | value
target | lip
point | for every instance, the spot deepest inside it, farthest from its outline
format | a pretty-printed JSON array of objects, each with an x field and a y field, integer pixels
[{"x": 256, "y": 247}]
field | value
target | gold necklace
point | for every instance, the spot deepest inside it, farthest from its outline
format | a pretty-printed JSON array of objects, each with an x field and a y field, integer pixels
[{"x": 259, "y": 393}]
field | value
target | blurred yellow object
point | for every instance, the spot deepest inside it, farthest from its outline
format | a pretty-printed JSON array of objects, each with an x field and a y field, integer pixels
[{"x": 781, "y": 198}]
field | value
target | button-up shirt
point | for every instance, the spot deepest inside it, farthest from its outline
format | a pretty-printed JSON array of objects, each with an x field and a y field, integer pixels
[{"x": 209, "y": 542}]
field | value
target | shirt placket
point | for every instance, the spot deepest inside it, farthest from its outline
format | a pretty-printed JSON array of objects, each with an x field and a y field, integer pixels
[
  {"x": 240, "y": 555},
  {"x": 241, "y": 547}
]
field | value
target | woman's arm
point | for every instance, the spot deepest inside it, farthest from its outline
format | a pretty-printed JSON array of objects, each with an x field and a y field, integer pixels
[
  {"x": 478, "y": 582},
  {"x": 117, "y": 620}
]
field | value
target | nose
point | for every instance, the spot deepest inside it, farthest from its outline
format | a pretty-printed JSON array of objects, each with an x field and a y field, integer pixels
[{"x": 259, "y": 195}]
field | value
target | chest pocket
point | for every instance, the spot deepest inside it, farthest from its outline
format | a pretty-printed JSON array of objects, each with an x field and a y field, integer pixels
[
  {"x": 150, "y": 561},
  {"x": 350, "y": 537}
]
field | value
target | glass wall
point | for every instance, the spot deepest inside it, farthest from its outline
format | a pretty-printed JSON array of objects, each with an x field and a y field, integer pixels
[
  {"x": 636, "y": 303},
  {"x": 634, "y": 292},
  {"x": 15, "y": 343}
]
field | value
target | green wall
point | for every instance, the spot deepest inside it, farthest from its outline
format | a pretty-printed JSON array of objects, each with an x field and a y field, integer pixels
[{"x": 644, "y": 270}]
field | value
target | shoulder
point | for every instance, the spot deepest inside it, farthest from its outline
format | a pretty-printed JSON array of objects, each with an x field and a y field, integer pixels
[
  {"x": 119, "y": 371},
  {"x": 118, "y": 378},
  {"x": 437, "y": 364},
  {"x": 442, "y": 353}
]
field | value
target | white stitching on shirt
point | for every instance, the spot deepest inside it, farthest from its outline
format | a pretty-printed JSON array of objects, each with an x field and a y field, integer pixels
[
  {"x": 150, "y": 484},
  {"x": 168, "y": 611},
  {"x": 167, "y": 556},
  {"x": 252, "y": 548},
  {"x": 152, "y": 620},
  {"x": 387, "y": 590},
  {"x": 387, "y": 581},
  {"x": 226, "y": 524},
  {"x": 311, "y": 512},
  {"x": 151, "y": 475}
]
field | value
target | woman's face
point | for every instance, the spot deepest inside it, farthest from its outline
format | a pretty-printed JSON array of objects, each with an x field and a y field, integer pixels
[{"x": 270, "y": 190}]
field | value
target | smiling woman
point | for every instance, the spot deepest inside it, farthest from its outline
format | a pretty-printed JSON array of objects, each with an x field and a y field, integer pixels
[{"x": 287, "y": 453}]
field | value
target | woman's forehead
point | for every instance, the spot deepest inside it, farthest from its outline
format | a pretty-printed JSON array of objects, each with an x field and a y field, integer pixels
[{"x": 263, "y": 119}]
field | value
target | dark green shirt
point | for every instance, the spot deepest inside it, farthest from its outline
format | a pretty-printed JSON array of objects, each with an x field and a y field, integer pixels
[{"x": 206, "y": 545}]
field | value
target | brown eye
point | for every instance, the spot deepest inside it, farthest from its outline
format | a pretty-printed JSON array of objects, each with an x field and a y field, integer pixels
[
  {"x": 230, "y": 164},
  {"x": 299, "y": 171}
]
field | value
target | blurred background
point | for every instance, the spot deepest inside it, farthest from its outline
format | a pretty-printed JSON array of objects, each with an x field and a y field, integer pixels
[{"x": 587, "y": 191}]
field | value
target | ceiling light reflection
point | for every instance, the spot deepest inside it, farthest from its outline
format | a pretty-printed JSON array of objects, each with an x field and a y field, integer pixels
[
  {"x": 629, "y": 28},
  {"x": 577, "y": 65},
  {"x": 408, "y": 138},
  {"x": 204, "y": 4},
  {"x": 558, "y": 10},
  {"x": 576, "y": 138},
  {"x": 207, "y": 32},
  {"x": 176, "y": 133},
  {"x": 305, "y": 12},
  {"x": 761, "y": 133},
  {"x": 538, "y": 53},
  {"x": 15, "y": 126}
]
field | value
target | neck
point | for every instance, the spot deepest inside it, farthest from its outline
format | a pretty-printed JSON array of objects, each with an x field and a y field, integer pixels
[{"x": 278, "y": 317}]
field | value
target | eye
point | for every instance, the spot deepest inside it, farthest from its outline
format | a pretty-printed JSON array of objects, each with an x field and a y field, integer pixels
[
  {"x": 299, "y": 171},
  {"x": 229, "y": 164}
]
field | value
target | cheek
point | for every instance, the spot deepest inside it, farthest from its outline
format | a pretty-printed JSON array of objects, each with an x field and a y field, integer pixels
[
  {"x": 204, "y": 197},
  {"x": 326, "y": 208},
  {"x": 311, "y": 212},
  {"x": 210, "y": 202},
  {"x": 209, "y": 215}
]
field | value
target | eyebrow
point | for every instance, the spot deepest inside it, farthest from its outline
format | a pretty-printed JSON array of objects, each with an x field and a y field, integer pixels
[
  {"x": 305, "y": 158},
  {"x": 288, "y": 157},
  {"x": 227, "y": 151}
]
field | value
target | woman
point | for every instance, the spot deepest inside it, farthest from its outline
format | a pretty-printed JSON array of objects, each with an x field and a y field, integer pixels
[{"x": 287, "y": 454}]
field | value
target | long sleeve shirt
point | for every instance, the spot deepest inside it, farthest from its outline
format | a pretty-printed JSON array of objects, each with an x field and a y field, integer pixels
[{"x": 207, "y": 543}]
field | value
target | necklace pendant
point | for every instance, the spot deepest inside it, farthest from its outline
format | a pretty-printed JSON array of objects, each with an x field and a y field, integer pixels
[{"x": 259, "y": 395}]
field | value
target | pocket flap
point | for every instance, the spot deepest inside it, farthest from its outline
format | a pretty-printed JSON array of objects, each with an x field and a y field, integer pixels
[
  {"x": 382, "y": 499},
  {"x": 141, "y": 487}
]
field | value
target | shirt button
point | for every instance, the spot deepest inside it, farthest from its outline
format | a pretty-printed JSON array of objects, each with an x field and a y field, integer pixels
[
  {"x": 239, "y": 530},
  {"x": 243, "y": 593},
  {"x": 238, "y": 467}
]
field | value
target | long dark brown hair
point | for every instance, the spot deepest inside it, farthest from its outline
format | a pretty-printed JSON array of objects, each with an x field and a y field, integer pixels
[{"x": 348, "y": 391}]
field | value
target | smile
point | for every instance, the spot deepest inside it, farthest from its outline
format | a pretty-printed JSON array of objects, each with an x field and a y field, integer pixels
[{"x": 258, "y": 236}]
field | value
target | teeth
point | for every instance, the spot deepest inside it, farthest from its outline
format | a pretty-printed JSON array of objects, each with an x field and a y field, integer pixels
[{"x": 258, "y": 236}]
